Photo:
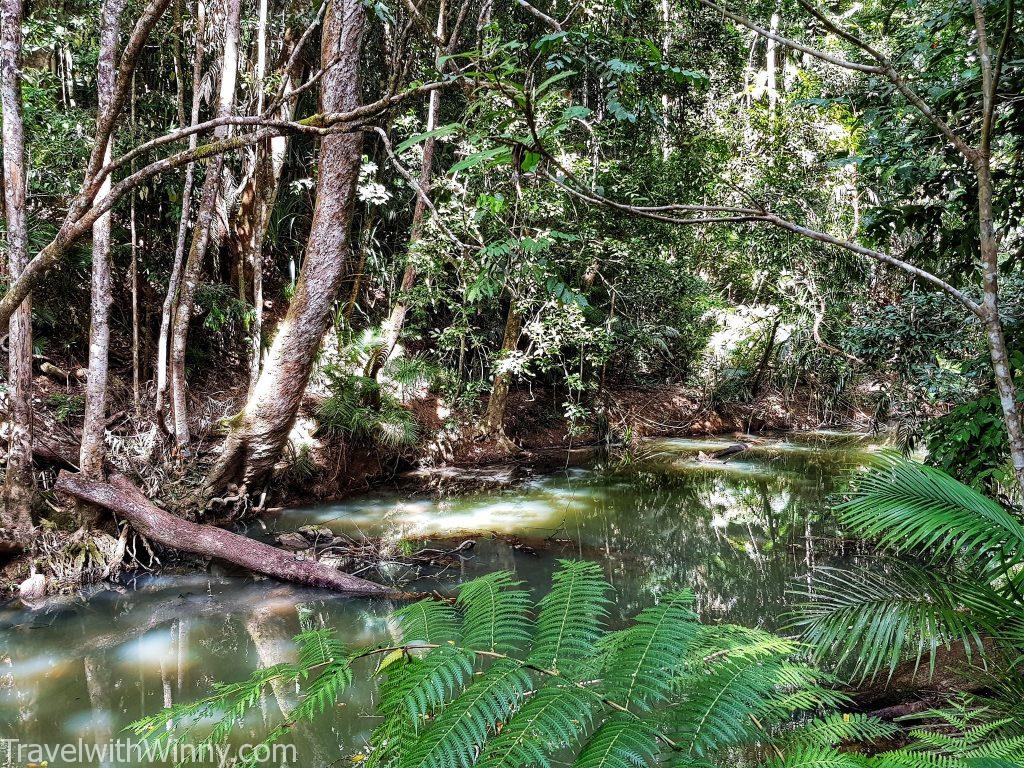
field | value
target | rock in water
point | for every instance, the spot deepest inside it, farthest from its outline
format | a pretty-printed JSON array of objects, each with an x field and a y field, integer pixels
[{"x": 33, "y": 588}]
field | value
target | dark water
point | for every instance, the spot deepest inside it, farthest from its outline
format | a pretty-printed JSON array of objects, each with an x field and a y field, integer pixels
[{"x": 745, "y": 536}]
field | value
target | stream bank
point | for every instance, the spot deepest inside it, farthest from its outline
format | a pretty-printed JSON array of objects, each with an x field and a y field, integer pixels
[{"x": 448, "y": 458}]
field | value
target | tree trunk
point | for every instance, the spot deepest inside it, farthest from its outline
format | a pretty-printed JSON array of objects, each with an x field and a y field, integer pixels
[
  {"x": 16, "y": 520},
  {"x": 260, "y": 431},
  {"x": 393, "y": 326},
  {"x": 257, "y": 202},
  {"x": 1001, "y": 368},
  {"x": 201, "y": 234},
  {"x": 158, "y": 525},
  {"x": 186, "y": 203},
  {"x": 493, "y": 423},
  {"x": 93, "y": 449}
]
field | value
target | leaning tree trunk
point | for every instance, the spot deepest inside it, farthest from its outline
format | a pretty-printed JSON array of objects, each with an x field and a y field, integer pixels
[
  {"x": 16, "y": 520},
  {"x": 93, "y": 449},
  {"x": 259, "y": 433},
  {"x": 186, "y": 203},
  {"x": 159, "y": 525},
  {"x": 202, "y": 232},
  {"x": 493, "y": 422}
]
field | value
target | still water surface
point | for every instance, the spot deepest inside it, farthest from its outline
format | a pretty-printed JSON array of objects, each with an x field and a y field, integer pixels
[{"x": 746, "y": 536}]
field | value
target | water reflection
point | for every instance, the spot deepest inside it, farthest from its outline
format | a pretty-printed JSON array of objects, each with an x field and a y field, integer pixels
[{"x": 740, "y": 534}]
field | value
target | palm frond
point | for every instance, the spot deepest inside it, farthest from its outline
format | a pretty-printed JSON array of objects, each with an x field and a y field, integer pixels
[
  {"x": 873, "y": 621},
  {"x": 909, "y": 506}
]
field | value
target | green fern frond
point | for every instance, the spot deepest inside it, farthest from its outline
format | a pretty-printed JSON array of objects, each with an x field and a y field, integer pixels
[
  {"x": 571, "y": 618},
  {"x": 495, "y": 613},
  {"x": 644, "y": 659},
  {"x": 552, "y": 719},
  {"x": 461, "y": 729},
  {"x": 815, "y": 756},
  {"x": 721, "y": 705},
  {"x": 622, "y": 742},
  {"x": 835, "y": 729},
  {"x": 323, "y": 691},
  {"x": 421, "y": 686},
  {"x": 318, "y": 647},
  {"x": 428, "y": 621}
]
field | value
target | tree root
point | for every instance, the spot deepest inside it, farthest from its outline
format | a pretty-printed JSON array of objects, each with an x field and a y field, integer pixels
[{"x": 120, "y": 496}]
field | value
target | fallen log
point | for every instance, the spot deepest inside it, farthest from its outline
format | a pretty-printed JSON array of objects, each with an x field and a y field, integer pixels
[{"x": 120, "y": 496}]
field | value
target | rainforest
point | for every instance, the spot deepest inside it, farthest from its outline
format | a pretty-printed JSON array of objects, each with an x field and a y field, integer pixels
[{"x": 508, "y": 383}]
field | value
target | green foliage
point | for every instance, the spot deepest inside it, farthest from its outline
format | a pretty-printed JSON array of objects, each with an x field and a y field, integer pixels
[
  {"x": 360, "y": 409},
  {"x": 870, "y": 621},
  {"x": 473, "y": 683},
  {"x": 65, "y": 407}
]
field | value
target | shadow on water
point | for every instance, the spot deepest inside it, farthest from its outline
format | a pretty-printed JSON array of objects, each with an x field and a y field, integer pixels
[{"x": 744, "y": 535}]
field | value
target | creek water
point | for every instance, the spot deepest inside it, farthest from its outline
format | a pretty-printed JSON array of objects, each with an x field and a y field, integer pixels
[{"x": 746, "y": 536}]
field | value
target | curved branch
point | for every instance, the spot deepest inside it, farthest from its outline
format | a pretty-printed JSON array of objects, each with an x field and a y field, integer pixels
[{"x": 778, "y": 221}]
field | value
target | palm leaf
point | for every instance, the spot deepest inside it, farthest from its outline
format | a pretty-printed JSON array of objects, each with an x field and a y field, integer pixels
[{"x": 909, "y": 506}]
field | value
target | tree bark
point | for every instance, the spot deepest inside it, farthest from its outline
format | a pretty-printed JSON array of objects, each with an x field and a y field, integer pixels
[
  {"x": 16, "y": 520},
  {"x": 1001, "y": 368},
  {"x": 259, "y": 433},
  {"x": 256, "y": 203},
  {"x": 201, "y": 234},
  {"x": 393, "y": 326},
  {"x": 493, "y": 423},
  {"x": 186, "y": 203},
  {"x": 120, "y": 496},
  {"x": 93, "y": 449}
]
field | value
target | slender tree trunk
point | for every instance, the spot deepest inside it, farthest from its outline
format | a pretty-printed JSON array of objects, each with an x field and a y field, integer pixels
[
  {"x": 393, "y": 326},
  {"x": 666, "y": 45},
  {"x": 16, "y": 520},
  {"x": 93, "y": 449},
  {"x": 186, "y": 203},
  {"x": 1001, "y": 368},
  {"x": 201, "y": 234},
  {"x": 256, "y": 204},
  {"x": 493, "y": 423},
  {"x": 134, "y": 280},
  {"x": 260, "y": 431}
]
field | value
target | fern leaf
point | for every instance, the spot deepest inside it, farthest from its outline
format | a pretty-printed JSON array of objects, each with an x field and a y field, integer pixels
[
  {"x": 323, "y": 691},
  {"x": 721, "y": 705},
  {"x": 459, "y": 731},
  {"x": 815, "y": 757},
  {"x": 622, "y": 742},
  {"x": 422, "y": 686},
  {"x": 495, "y": 613},
  {"x": 428, "y": 621},
  {"x": 644, "y": 659},
  {"x": 571, "y": 617},
  {"x": 833, "y": 730},
  {"x": 552, "y": 719}
]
